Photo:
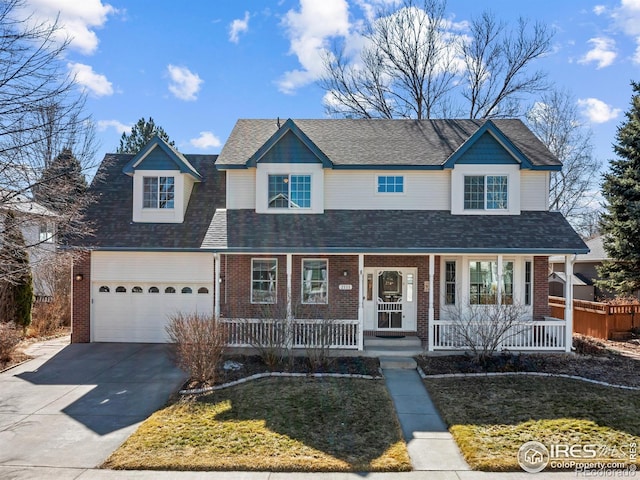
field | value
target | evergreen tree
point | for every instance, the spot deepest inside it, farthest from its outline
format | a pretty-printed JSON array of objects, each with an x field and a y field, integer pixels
[
  {"x": 17, "y": 296},
  {"x": 620, "y": 223},
  {"x": 141, "y": 133},
  {"x": 62, "y": 184}
]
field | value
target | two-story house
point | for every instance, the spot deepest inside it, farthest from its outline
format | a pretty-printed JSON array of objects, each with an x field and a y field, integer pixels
[{"x": 381, "y": 226}]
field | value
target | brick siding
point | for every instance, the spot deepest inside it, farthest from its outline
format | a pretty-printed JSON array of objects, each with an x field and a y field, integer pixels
[
  {"x": 541, "y": 306},
  {"x": 81, "y": 299}
]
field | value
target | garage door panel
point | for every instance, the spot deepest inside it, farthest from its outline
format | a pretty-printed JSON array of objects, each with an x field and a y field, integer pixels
[{"x": 126, "y": 316}]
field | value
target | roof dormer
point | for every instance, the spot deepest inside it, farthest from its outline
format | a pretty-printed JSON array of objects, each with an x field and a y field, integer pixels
[{"x": 162, "y": 183}]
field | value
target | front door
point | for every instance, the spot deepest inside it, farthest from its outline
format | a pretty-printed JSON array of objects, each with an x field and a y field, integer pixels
[{"x": 390, "y": 299}]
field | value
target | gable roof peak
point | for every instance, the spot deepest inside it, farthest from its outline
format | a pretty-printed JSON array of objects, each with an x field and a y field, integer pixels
[
  {"x": 289, "y": 126},
  {"x": 174, "y": 155}
]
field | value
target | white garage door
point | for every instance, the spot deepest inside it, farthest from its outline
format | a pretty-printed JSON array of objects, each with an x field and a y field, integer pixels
[{"x": 133, "y": 294}]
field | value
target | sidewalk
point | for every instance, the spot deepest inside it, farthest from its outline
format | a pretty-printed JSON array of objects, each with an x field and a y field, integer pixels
[{"x": 431, "y": 446}]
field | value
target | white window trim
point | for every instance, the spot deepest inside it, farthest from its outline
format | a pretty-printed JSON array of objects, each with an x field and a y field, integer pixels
[
  {"x": 485, "y": 208},
  {"x": 158, "y": 208},
  {"x": 302, "y": 280},
  {"x": 290, "y": 208},
  {"x": 512, "y": 172},
  {"x": 390, "y": 194},
  {"x": 275, "y": 300},
  {"x": 48, "y": 236}
]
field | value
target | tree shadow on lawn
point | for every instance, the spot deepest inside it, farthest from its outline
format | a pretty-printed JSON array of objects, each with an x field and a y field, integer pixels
[{"x": 351, "y": 420}]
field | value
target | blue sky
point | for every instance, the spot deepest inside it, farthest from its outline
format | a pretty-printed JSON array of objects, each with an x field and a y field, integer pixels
[{"x": 196, "y": 67}]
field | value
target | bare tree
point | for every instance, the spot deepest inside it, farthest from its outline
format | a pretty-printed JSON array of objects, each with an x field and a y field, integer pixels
[
  {"x": 482, "y": 329},
  {"x": 41, "y": 114},
  {"x": 496, "y": 60},
  {"x": 555, "y": 121},
  {"x": 405, "y": 69},
  {"x": 415, "y": 65}
]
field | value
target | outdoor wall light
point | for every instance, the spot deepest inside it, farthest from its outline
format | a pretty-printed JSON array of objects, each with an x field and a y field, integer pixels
[
  {"x": 79, "y": 277},
  {"x": 345, "y": 273}
]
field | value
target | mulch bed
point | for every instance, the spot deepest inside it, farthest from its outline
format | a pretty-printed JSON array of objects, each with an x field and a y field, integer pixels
[
  {"x": 253, "y": 364},
  {"x": 604, "y": 366}
]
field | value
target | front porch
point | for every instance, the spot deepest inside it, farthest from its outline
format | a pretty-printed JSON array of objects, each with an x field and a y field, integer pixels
[{"x": 350, "y": 302}]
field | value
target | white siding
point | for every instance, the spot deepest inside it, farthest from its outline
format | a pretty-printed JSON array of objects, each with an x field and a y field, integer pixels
[
  {"x": 152, "y": 266},
  {"x": 513, "y": 188},
  {"x": 241, "y": 189},
  {"x": 357, "y": 190},
  {"x": 160, "y": 215},
  {"x": 314, "y": 170},
  {"x": 534, "y": 190}
]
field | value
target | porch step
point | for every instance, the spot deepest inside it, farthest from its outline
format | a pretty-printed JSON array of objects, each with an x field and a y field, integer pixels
[
  {"x": 396, "y": 363},
  {"x": 376, "y": 342}
]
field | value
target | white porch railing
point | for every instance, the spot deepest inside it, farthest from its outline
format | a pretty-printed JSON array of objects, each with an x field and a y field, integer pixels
[
  {"x": 297, "y": 334},
  {"x": 544, "y": 335}
]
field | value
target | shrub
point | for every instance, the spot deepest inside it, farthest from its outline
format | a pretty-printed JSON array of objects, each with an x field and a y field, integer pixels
[
  {"x": 48, "y": 317},
  {"x": 200, "y": 342},
  {"x": 584, "y": 345},
  {"x": 269, "y": 334},
  {"x": 9, "y": 338}
]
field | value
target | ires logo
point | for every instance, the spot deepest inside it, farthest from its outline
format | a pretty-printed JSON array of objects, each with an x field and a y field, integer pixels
[{"x": 560, "y": 451}]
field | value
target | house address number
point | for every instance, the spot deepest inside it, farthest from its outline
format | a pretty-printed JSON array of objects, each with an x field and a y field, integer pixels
[{"x": 345, "y": 287}]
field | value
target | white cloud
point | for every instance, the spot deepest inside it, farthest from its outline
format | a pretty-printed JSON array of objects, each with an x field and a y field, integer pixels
[
  {"x": 77, "y": 19},
  {"x": 184, "y": 84},
  {"x": 603, "y": 52},
  {"x": 308, "y": 31},
  {"x": 237, "y": 27},
  {"x": 206, "y": 140},
  {"x": 599, "y": 9},
  {"x": 597, "y": 111},
  {"x": 115, "y": 124},
  {"x": 627, "y": 16},
  {"x": 96, "y": 83}
]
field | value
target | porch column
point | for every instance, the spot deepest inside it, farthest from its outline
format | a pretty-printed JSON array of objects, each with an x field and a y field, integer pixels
[
  {"x": 289, "y": 295},
  {"x": 568, "y": 301},
  {"x": 216, "y": 286},
  {"x": 432, "y": 310},
  {"x": 499, "y": 291},
  {"x": 360, "y": 301}
]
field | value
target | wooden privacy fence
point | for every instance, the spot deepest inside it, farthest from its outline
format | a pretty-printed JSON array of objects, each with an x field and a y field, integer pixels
[{"x": 600, "y": 320}]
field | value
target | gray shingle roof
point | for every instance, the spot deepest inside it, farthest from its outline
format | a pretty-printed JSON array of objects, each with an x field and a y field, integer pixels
[
  {"x": 417, "y": 231},
  {"x": 349, "y": 142},
  {"x": 111, "y": 213}
]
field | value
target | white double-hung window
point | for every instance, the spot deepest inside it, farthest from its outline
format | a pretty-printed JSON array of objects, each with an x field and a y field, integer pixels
[
  {"x": 158, "y": 192},
  {"x": 315, "y": 281},
  {"x": 486, "y": 192},
  {"x": 289, "y": 191},
  {"x": 264, "y": 280},
  {"x": 483, "y": 282}
]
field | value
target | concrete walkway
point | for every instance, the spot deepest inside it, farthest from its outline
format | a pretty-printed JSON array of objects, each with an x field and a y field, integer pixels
[{"x": 431, "y": 446}]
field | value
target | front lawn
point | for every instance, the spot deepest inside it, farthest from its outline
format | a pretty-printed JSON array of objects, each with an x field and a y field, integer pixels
[
  {"x": 275, "y": 424},
  {"x": 491, "y": 417}
]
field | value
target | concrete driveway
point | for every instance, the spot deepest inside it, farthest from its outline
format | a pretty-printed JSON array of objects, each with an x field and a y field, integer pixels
[{"x": 75, "y": 404}]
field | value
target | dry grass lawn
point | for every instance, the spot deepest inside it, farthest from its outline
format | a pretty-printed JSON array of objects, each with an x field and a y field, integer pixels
[
  {"x": 274, "y": 424},
  {"x": 491, "y": 417}
]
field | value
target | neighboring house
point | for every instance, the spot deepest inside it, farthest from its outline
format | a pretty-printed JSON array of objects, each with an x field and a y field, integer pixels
[
  {"x": 385, "y": 227},
  {"x": 38, "y": 226},
  {"x": 585, "y": 273}
]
